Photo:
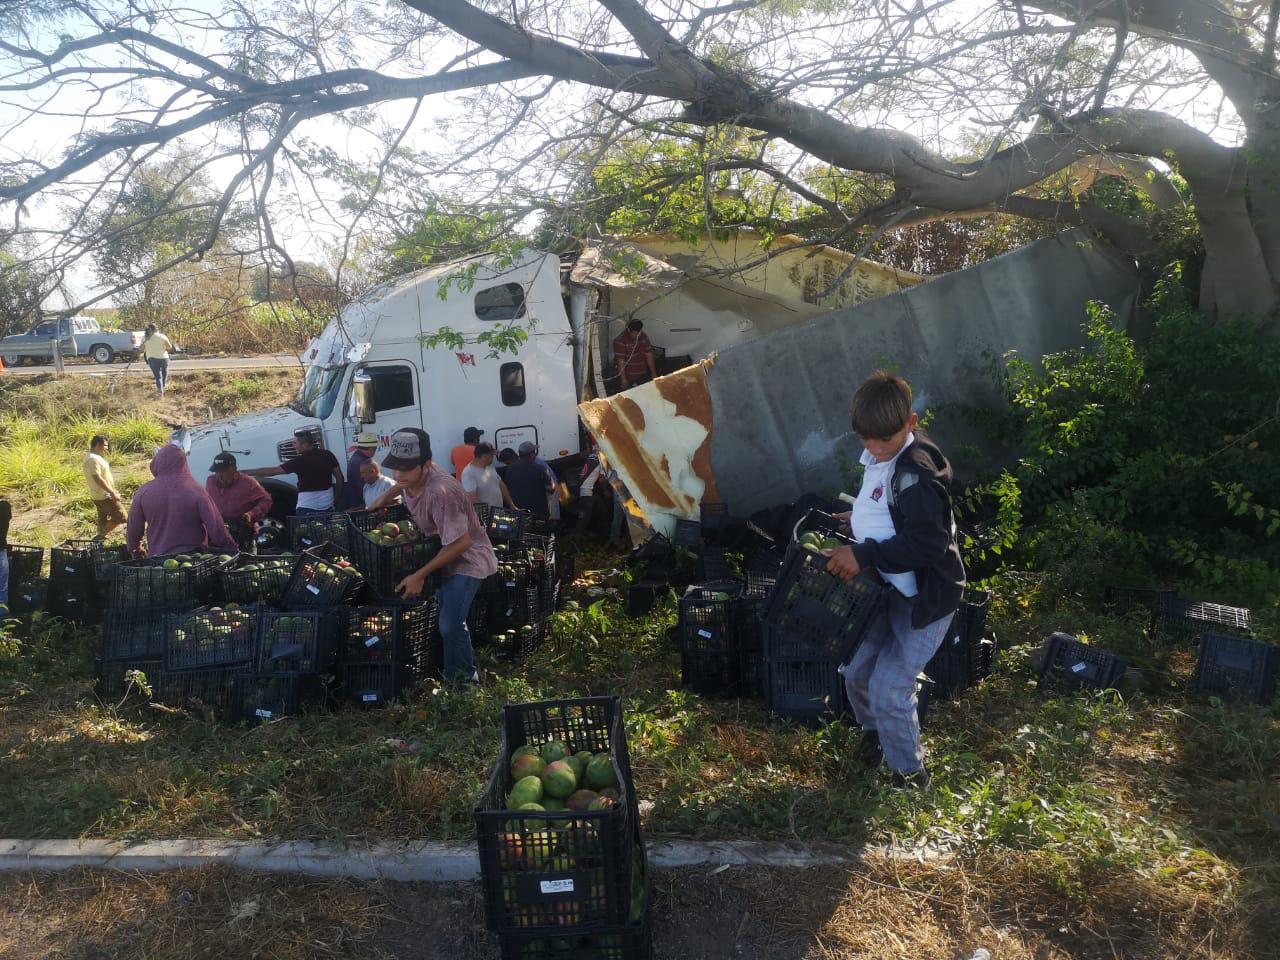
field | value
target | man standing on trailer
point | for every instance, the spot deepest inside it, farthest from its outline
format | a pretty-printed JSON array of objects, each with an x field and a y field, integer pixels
[
  {"x": 441, "y": 509},
  {"x": 634, "y": 355}
]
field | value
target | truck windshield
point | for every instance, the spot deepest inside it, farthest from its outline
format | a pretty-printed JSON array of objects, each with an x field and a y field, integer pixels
[{"x": 319, "y": 391}]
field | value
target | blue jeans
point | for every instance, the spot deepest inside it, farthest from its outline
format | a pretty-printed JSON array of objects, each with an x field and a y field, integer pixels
[
  {"x": 159, "y": 370},
  {"x": 455, "y": 596},
  {"x": 881, "y": 680},
  {"x": 4, "y": 578}
]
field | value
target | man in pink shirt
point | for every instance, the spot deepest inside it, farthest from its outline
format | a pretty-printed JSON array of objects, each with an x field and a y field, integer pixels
[
  {"x": 174, "y": 511},
  {"x": 241, "y": 500},
  {"x": 440, "y": 508}
]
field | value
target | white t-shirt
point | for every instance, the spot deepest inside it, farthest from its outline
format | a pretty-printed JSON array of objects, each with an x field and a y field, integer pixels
[
  {"x": 482, "y": 481},
  {"x": 372, "y": 491},
  {"x": 316, "y": 499},
  {"x": 870, "y": 518}
]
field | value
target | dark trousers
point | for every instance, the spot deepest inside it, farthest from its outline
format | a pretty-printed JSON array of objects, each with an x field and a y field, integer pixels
[{"x": 159, "y": 370}]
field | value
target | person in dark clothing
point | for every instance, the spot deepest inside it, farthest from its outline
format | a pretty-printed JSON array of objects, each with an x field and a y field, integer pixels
[
  {"x": 6, "y": 515},
  {"x": 352, "y": 490},
  {"x": 319, "y": 474},
  {"x": 903, "y": 530},
  {"x": 528, "y": 483},
  {"x": 506, "y": 457}
]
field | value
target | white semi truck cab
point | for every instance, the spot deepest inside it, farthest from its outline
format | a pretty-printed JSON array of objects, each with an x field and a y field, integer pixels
[{"x": 370, "y": 370}]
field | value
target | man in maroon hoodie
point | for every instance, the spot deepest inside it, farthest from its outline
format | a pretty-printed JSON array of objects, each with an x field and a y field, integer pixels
[
  {"x": 240, "y": 499},
  {"x": 174, "y": 511}
]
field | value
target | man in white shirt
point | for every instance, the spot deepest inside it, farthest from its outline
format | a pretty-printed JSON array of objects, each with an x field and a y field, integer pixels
[
  {"x": 376, "y": 483},
  {"x": 481, "y": 483}
]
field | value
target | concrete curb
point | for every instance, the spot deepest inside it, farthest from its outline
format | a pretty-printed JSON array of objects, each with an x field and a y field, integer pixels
[{"x": 426, "y": 862}]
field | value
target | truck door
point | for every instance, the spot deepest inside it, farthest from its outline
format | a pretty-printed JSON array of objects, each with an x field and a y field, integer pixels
[{"x": 392, "y": 401}]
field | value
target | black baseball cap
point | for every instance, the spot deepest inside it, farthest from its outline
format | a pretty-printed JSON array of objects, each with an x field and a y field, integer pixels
[
  {"x": 472, "y": 435},
  {"x": 410, "y": 448},
  {"x": 223, "y": 461}
]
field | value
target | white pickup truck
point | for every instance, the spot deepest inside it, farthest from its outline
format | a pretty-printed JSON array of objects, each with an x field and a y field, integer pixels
[{"x": 76, "y": 336}]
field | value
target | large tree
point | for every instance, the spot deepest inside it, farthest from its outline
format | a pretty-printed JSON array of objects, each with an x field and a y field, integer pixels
[{"x": 948, "y": 108}]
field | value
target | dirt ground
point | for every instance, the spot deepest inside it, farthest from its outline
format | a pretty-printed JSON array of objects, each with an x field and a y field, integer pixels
[{"x": 882, "y": 911}]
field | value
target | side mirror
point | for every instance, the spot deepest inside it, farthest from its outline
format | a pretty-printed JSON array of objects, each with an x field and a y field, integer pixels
[{"x": 362, "y": 400}]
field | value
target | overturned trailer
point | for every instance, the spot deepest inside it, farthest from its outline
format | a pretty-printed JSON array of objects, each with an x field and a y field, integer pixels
[{"x": 766, "y": 420}]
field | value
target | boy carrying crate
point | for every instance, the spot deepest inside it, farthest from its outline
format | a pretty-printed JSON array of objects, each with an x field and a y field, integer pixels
[{"x": 904, "y": 529}]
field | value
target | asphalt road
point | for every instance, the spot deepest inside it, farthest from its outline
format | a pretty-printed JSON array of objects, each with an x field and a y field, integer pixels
[{"x": 176, "y": 365}]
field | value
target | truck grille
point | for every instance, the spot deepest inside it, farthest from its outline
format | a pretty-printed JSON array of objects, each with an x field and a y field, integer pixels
[{"x": 286, "y": 450}]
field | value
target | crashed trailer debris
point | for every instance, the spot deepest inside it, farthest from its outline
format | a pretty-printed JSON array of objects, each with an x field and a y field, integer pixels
[{"x": 763, "y": 422}]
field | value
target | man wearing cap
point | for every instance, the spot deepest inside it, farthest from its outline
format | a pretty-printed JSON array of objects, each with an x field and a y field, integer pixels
[
  {"x": 529, "y": 483},
  {"x": 439, "y": 507},
  {"x": 366, "y": 445},
  {"x": 481, "y": 483},
  {"x": 318, "y": 471},
  {"x": 465, "y": 452},
  {"x": 241, "y": 500}
]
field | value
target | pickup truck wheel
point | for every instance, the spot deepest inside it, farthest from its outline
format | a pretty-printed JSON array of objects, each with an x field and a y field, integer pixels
[
  {"x": 11, "y": 360},
  {"x": 101, "y": 353}
]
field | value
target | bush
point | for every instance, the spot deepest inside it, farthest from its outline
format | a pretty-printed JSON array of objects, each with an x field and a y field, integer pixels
[{"x": 1141, "y": 461}]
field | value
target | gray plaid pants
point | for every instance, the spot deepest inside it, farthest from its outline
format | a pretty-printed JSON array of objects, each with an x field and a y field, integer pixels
[{"x": 881, "y": 680}]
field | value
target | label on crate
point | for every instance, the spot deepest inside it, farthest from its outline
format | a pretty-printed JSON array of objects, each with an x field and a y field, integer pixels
[
  {"x": 557, "y": 886},
  {"x": 264, "y": 714},
  {"x": 305, "y": 540},
  {"x": 1080, "y": 667},
  {"x": 705, "y": 634},
  {"x": 69, "y": 569},
  {"x": 511, "y": 583},
  {"x": 372, "y": 640},
  {"x": 369, "y": 698},
  {"x": 510, "y": 611},
  {"x": 313, "y": 588}
]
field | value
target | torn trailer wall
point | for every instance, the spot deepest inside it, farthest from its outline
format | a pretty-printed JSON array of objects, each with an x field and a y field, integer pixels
[{"x": 766, "y": 421}]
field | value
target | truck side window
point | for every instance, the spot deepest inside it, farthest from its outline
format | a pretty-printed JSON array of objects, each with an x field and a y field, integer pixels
[
  {"x": 45, "y": 329},
  {"x": 503, "y": 302},
  {"x": 392, "y": 387},
  {"x": 511, "y": 377}
]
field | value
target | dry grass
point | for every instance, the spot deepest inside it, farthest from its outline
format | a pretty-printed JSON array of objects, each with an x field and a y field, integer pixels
[{"x": 884, "y": 910}]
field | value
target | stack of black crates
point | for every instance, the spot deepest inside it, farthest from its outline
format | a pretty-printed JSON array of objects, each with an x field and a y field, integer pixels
[
  {"x": 79, "y": 577},
  {"x": 26, "y": 582},
  {"x": 511, "y": 607},
  {"x": 571, "y": 883}
]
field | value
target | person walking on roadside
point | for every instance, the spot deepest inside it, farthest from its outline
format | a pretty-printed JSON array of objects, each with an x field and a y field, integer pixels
[
  {"x": 481, "y": 483},
  {"x": 241, "y": 500},
  {"x": 439, "y": 507},
  {"x": 155, "y": 348},
  {"x": 366, "y": 446},
  {"x": 173, "y": 511},
  {"x": 318, "y": 471},
  {"x": 373, "y": 482},
  {"x": 528, "y": 483},
  {"x": 102, "y": 486},
  {"x": 465, "y": 452}
]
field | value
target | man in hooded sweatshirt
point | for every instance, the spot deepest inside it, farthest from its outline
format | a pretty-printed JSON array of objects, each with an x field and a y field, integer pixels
[{"x": 174, "y": 511}]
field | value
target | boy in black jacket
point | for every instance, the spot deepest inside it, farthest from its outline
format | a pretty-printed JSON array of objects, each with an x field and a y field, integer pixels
[{"x": 903, "y": 524}]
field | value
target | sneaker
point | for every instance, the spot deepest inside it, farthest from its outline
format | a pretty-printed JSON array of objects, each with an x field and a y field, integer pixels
[
  {"x": 915, "y": 780},
  {"x": 869, "y": 752}
]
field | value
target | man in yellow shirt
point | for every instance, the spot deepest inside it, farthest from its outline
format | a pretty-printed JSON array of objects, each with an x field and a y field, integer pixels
[
  {"x": 156, "y": 347},
  {"x": 102, "y": 487}
]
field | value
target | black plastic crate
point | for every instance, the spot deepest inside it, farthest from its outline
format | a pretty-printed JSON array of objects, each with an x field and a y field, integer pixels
[
  {"x": 1179, "y": 619},
  {"x": 982, "y": 659},
  {"x": 389, "y": 632},
  {"x": 313, "y": 529},
  {"x": 714, "y": 517},
  {"x": 211, "y": 637},
  {"x": 300, "y": 641},
  {"x": 26, "y": 598},
  {"x": 25, "y": 565},
  {"x": 972, "y": 618},
  {"x": 1070, "y": 665},
  {"x": 709, "y": 662},
  {"x": 1123, "y": 601},
  {"x": 371, "y": 684},
  {"x": 540, "y": 550},
  {"x": 182, "y": 580},
  {"x": 749, "y": 623},
  {"x": 133, "y": 633},
  {"x": 514, "y": 602},
  {"x": 478, "y": 619},
  {"x": 804, "y": 690},
  {"x": 1237, "y": 668},
  {"x": 111, "y": 682},
  {"x": 76, "y": 560},
  {"x": 255, "y": 579},
  {"x": 262, "y": 697},
  {"x": 949, "y": 668},
  {"x": 210, "y": 691},
  {"x": 760, "y": 573},
  {"x": 424, "y": 649},
  {"x": 634, "y": 941},
  {"x": 506, "y": 526},
  {"x": 715, "y": 565},
  {"x": 75, "y": 600},
  {"x": 322, "y": 577},
  {"x": 820, "y": 615},
  {"x": 643, "y": 594},
  {"x": 687, "y": 534},
  {"x": 539, "y": 869},
  {"x": 387, "y": 546}
]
